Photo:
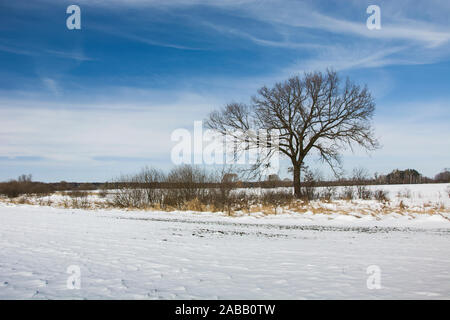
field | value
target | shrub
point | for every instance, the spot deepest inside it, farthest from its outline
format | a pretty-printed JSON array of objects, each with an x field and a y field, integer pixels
[
  {"x": 328, "y": 193},
  {"x": 194, "y": 205},
  {"x": 78, "y": 194},
  {"x": 276, "y": 198},
  {"x": 191, "y": 188},
  {"x": 348, "y": 193},
  {"x": 309, "y": 185},
  {"x": 443, "y": 176},
  {"x": 366, "y": 194},
  {"x": 24, "y": 186},
  {"x": 103, "y": 193},
  {"x": 405, "y": 193},
  {"x": 381, "y": 195},
  {"x": 187, "y": 183},
  {"x": 80, "y": 202},
  {"x": 139, "y": 191},
  {"x": 11, "y": 189},
  {"x": 361, "y": 177}
]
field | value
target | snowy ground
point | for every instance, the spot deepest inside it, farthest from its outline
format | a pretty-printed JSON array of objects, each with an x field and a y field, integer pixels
[{"x": 157, "y": 255}]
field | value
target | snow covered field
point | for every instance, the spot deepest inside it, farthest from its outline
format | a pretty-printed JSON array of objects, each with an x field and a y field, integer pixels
[{"x": 182, "y": 255}]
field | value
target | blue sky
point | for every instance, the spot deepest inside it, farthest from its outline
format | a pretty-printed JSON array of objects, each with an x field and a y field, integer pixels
[{"x": 90, "y": 104}]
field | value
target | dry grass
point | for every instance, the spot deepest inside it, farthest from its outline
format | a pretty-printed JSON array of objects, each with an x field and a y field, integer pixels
[
  {"x": 194, "y": 205},
  {"x": 402, "y": 206},
  {"x": 248, "y": 205}
]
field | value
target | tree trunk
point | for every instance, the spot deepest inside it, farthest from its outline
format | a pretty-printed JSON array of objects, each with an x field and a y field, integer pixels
[{"x": 297, "y": 186}]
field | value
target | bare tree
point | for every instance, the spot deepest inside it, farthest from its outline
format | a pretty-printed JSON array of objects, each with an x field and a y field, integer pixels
[
  {"x": 443, "y": 176},
  {"x": 312, "y": 113},
  {"x": 25, "y": 178},
  {"x": 360, "y": 177}
]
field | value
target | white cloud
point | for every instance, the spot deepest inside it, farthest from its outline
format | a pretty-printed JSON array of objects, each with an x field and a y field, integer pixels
[
  {"x": 73, "y": 132},
  {"x": 36, "y": 52},
  {"x": 414, "y": 129},
  {"x": 306, "y": 14},
  {"x": 51, "y": 85},
  {"x": 347, "y": 57}
]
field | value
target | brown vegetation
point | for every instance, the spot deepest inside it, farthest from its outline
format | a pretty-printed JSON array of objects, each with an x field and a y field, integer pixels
[{"x": 24, "y": 185}]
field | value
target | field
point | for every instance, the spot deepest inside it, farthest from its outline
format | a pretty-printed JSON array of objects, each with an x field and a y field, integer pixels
[{"x": 323, "y": 253}]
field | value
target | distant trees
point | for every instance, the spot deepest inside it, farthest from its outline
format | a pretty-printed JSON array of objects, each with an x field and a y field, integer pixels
[
  {"x": 24, "y": 185},
  {"x": 186, "y": 183},
  {"x": 273, "y": 178},
  {"x": 443, "y": 176},
  {"x": 360, "y": 175},
  {"x": 313, "y": 113},
  {"x": 230, "y": 178},
  {"x": 407, "y": 176},
  {"x": 25, "y": 178}
]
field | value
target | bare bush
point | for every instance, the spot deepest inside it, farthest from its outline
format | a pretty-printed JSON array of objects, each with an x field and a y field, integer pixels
[
  {"x": 187, "y": 183},
  {"x": 443, "y": 176},
  {"x": 360, "y": 178},
  {"x": 309, "y": 188},
  {"x": 328, "y": 193},
  {"x": 24, "y": 186},
  {"x": 77, "y": 194},
  {"x": 193, "y": 188},
  {"x": 80, "y": 203},
  {"x": 103, "y": 193},
  {"x": 140, "y": 190},
  {"x": 45, "y": 202},
  {"x": 405, "y": 193},
  {"x": 190, "y": 188},
  {"x": 77, "y": 199},
  {"x": 381, "y": 195},
  {"x": 277, "y": 198},
  {"x": 222, "y": 196},
  {"x": 23, "y": 200},
  {"x": 183, "y": 187},
  {"x": 11, "y": 189},
  {"x": 348, "y": 193},
  {"x": 366, "y": 194}
]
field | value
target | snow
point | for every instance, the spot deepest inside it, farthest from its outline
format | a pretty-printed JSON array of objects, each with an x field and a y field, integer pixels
[
  {"x": 410, "y": 194},
  {"x": 186, "y": 255}
]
